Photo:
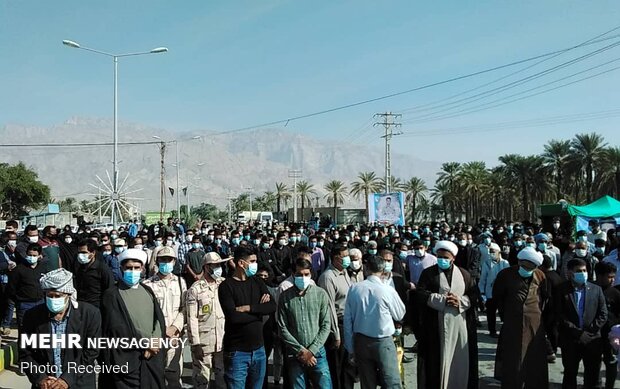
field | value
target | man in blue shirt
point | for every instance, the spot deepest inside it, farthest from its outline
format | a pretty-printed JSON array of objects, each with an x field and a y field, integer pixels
[
  {"x": 582, "y": 312},
  {"x": 370, "y": 311}
]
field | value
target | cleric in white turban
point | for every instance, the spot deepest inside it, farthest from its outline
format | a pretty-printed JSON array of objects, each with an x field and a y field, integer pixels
[
  {"x": 447, "y": 348},
  {"x": 60, "y": 317}
]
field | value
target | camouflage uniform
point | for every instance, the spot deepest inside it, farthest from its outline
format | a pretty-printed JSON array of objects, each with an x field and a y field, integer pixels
[{"x": 205, "y": 328}]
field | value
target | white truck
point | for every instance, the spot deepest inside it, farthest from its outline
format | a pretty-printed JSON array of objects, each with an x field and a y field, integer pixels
[{"x": 263, "y": 216}]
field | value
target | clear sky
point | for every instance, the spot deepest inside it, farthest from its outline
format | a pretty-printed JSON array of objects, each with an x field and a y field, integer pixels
[{"x": 234, "y": 64}]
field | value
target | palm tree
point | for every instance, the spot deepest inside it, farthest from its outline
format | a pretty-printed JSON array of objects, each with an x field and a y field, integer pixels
[
  {"x": 415, "y": 190},
  {"x": 367, "y": 183},
  {"x": 395, "y": 184},
  {"x": 336, "y": 192},
  {"x": 282, "y": 193},
  {"x": 440, "y": 194},
  {"x": 610, "y": 171},
  {"x": 588, "y": 150},
  {"x": 526, "y": 173},
  {"x": 449, "y": 176},
  {"x": 472, "y": 182},
  {"x": 304, "y": 190},
  {"x": 556, "y": 155}
]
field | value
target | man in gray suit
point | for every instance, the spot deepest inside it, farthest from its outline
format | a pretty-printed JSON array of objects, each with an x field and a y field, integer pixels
[{"x": 581, "y": 311}]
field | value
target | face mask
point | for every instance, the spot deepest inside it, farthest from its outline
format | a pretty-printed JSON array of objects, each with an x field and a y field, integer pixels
[
  {"x": 119, "y": 249},
  {"x": 402, "y": 255},
  {"x": 196, "y": 246},
  {"x": 320, "y": 243},
  {"x": 530, "y": 244},
  {"x": 235, "y": 241},
  {"x": 33, "y": 239},
  {"x": 356, "y": 265},
  {"x": 581, "y": 252},
  {"x": 419, "y": 253},
  {"x": 313, "y": 245},
  {"x": 32, "y": 259},
  {"x": 365, "y": 238},
  {"x": 218, "y": 241},
  {"x": 469, "y": 241},
  {"x": 346, "y": 262},
  {"x": 525, "y": 273},
  {"x": 131, "y": 277},
  {"x": 556, "y": 226},
  {"x": 542, "y": 246},
  {"x": 210, "y": 238},
  {"x": 518, "y": 243},
  {"x": 599, "y": 250},
  {"x": 302, "y": 282},
  {"x": 256, "y": 242},
  {"x": 407, "y": 242},
  {"x": 83, "y": 258},
  {"x": 374, "y": 234},
  {"x": 252, "y": 269},
  {"x": 509, "y": 228},
  {"x": 388, "y": 267},
  {"x": 580, "y": 278},
  {"x": 398, "y": 331},
  {"x": 282, "y": 242},
  {"x": 487, "y": 241},
  {"x": 55, "y": 304},
  {"x": 158, "y": 243},
  {"x": 216, "y": 273},
  {"x": 427, "y": 243},
  {"x": 462, "y": 243},
  {"x": 138, "y": 247},
  {"x": 499, "y": 231},
  {"x": 166, "y": 268},
  {"x": 583, "y": 238},
  {"x": 392, "y": 231},
  {"x": 13, "y": 243},
  {"x": 169, "y": 242},
  {"x": 265, "y": 246},
  {"x": 443, "y": 263},
  {"x": 188, "y": 238},
  {"x": 114, "y": 236},
  {"x": 372, "y": 252},
  {"x": 291, "y": 239},
  {"x": 347, "y": 238},
  {"x": 107, "y": 253}
]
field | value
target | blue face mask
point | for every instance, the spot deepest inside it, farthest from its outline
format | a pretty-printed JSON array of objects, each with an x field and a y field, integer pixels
[
  {"x": 252, "y": 269},
  {"x": 388, "y": 267},
  {"x": 372, "y": 252},
  {"x": 131, "y": 277},
  {"x": 542, "y": 246},
  {"x": 236, "y": 241},
  {"x": 32, "y": 259},
  {"x": 402, "y": 255},
  {"x": 302, "y": 282},
  {"x": 525, "y": 273},
  {"x": 197, "y": 246},
  {"x": 166, "y": 268},
  {"x": 444, "y": 263},
  {"x": 55, "y": 304},
  {"x": 346, "y": 262},
  {"x": 312, "y": 245},
  {"x": 580, "y": 278}
]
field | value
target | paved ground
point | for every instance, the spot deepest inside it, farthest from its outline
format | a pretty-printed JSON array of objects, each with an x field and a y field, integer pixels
[{"x": 9, "y": 379}]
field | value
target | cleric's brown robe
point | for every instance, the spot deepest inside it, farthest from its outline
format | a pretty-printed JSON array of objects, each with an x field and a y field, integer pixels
[{"x": 521, "y": 357}]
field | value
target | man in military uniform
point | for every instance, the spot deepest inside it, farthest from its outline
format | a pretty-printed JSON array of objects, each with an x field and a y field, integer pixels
[
  {"x": 205, "y": 324},
  {"x": 170, "y": 290}
]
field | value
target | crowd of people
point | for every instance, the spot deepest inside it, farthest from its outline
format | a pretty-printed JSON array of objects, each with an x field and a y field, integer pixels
[{"x": 330, "y": 306}]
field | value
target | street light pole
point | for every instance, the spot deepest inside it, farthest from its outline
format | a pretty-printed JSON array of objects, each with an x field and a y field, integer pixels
[
  {"x": 115, "y": 57},
  {"x": 176, "y": 143}
]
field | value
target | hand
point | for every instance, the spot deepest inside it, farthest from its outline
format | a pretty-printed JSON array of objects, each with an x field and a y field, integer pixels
[
  {"x": 147, "y": 354},
  {"x": 172, "y": 332},
  {"x": 312, "y": 361},
  {"x": 453, "y": 300},
  {"x": 47, "y": 382},
  {"x": 411, "y": 286},
  {"x": 12, "y": 265},
  {"x": 59, "y": 384},
  {"x": 197, "y": 352},
  {"x": 265, "y": 298},
  {"x": 243, "y": 308},
  {"x": 304, "y": 356},
  {"x": 336, "y": 344}
]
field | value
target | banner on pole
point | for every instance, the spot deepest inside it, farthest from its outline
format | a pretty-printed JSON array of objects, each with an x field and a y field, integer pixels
[{"x": 387, "y": 208}]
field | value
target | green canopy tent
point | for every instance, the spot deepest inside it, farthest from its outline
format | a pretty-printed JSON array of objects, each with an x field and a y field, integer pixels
[{"x": 604, "y": 208}]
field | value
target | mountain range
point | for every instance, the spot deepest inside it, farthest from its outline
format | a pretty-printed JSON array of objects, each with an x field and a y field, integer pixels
[{"x": 215, "y": 165}]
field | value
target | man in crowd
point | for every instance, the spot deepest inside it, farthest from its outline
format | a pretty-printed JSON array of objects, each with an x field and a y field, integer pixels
[
  {"x": 448, "y": 350},
  {"x": 24, "y": 287},
  {"x": 521, "y": 294},
  {"x": 304, "y": 319},
  {"x": 244, "y": 300},
  {"x": 169, "y": 290},
  {"x": 490, "y": 270},
  {"x": 582, "y": 313},
  {"x": 50, "y": 247},
  {"x": 371, "y": 309},
  {"x": 61, "y": 315},
  {"x": 205, "y": 324},
  {"x": 130, "y": 310},
  {"x": 605, "y": 276},
  {"x": 31, "y": 235},
  {"x": 92, "y": 276},
  {"x": 336, "y": 282},
  {"x": 8, "y": 263}
]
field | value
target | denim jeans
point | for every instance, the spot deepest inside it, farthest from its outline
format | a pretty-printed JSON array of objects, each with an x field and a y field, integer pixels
[
  {"x": 376, "y": 355},
  {"x": 245, "y": 369},
  {"x": 318, "y": 375}
]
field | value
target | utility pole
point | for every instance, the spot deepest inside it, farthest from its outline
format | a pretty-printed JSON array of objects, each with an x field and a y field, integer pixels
[
  {"x": 162, "y": 181},
  {"x": 249, "y": 189},
  {"x": 230, "y": 198},
  {"x": 294, "y": 174},
  {"x": 388, "y": 123}
]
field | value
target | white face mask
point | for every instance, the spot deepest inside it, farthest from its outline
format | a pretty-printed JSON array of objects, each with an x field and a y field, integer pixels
[
  {"x": 356, "y": 265},
  {"x": 33, "y": 239},
  {"x": 419, "y": 253},
  {"x": 581, "y": 252},
  {"x": 12, "y": 243}
]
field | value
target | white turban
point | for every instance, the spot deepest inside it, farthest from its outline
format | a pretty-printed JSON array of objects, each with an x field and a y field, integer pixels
[
  {"x": 530, "y": 254},
  {"x": 448, "y": 246},
  {"x": 135, "y": 254}
]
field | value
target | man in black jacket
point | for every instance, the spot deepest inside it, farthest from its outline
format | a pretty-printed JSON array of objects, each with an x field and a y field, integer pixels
[
  {"x": 61, "y": 315},
  {"x": 582, "y": 312},
  {"x": 92, "y": 275}
]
